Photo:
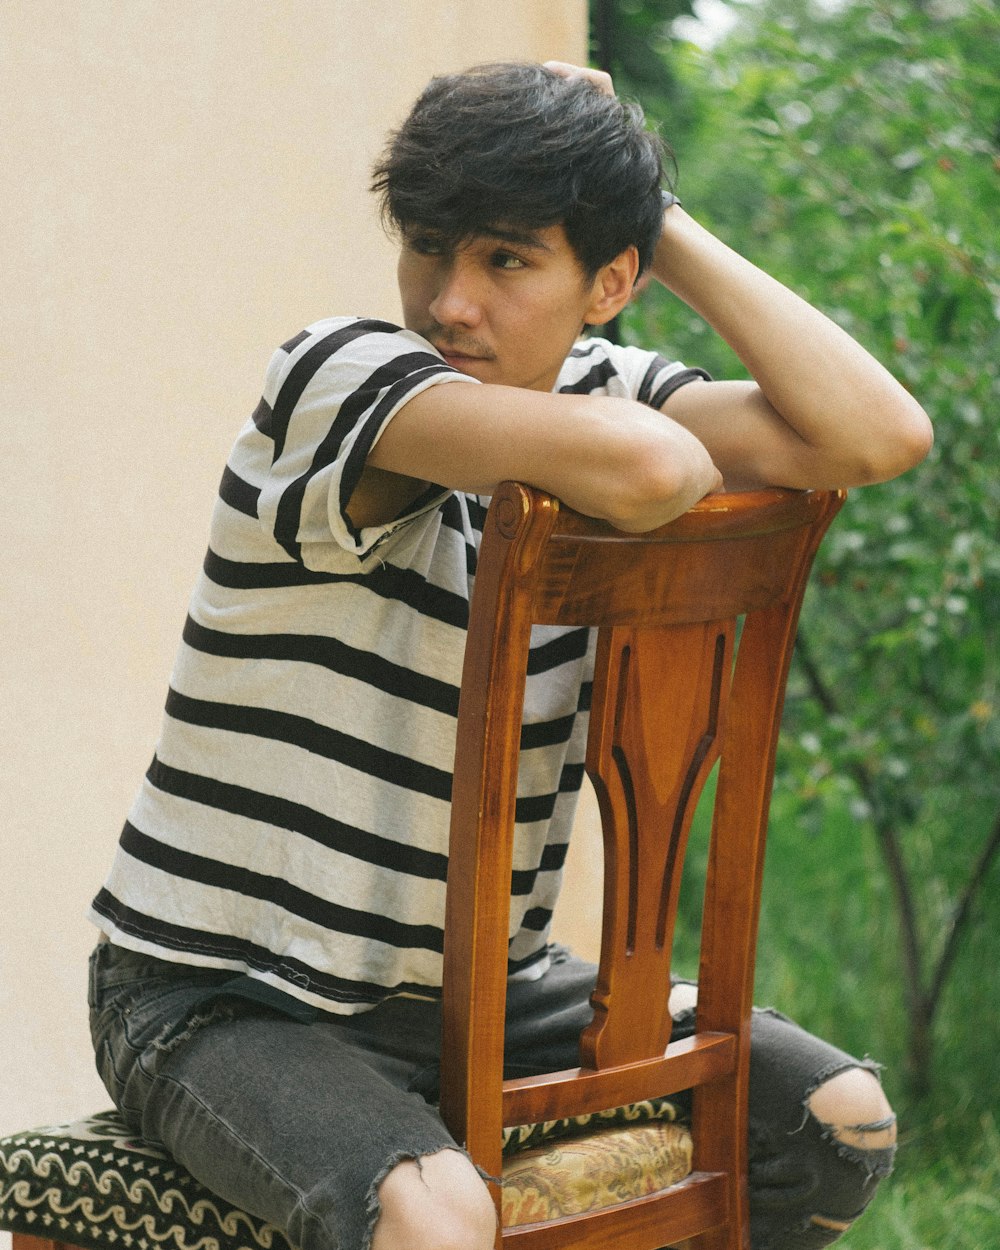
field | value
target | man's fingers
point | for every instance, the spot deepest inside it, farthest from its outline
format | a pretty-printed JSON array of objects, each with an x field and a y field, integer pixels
[{"x": 596, "y": 77}]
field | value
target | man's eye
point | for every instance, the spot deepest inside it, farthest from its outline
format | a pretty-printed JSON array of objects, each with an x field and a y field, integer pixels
[{"x": 507, "y": 260}]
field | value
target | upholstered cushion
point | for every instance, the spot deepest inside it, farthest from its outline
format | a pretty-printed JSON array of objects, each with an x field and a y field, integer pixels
[
  {"x": 597, "y": 1170},
  {"x": 93, "y": 1183}
]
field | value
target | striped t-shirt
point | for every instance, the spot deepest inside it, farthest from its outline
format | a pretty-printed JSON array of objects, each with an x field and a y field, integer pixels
[{"x": 293, "y": 825}]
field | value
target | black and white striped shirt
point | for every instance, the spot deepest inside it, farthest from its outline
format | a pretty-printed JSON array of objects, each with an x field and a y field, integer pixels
[{"x": 293, "y": 824}]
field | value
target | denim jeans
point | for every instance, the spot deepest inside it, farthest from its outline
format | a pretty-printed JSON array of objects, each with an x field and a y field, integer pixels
[{"x": 296, "y": 1114}]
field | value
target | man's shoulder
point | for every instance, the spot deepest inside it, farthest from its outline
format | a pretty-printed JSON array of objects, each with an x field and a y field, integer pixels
[
  {"x": 598, "y": 366},
  {"x": 344, "y": 331},
  {"x": 349, "y": 349}
]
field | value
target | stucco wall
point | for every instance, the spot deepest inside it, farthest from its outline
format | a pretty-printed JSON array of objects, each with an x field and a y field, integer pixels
[{"x": 189, "y": 188}]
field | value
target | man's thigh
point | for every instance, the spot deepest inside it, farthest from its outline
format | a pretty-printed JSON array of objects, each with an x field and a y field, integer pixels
[
  {"x": 295, "y": 1122},
  {"x": 290, "y": 1122}
]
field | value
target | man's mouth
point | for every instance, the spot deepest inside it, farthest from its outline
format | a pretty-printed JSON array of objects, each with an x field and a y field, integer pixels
[
  {"x": 458, "y": 359},
  {"x": 457, "y": 355}
]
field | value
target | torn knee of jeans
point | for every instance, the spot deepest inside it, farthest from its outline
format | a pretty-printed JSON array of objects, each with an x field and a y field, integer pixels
[
  {"x": 851, "y": 1110},
  {"x": 824, "y": 1221}
]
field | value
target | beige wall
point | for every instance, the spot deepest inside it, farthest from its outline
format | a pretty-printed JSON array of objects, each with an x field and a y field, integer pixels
[{"x": 188, "y": 187}]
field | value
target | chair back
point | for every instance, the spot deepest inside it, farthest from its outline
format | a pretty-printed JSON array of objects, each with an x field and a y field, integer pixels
[{"x": 696, "y": 623}]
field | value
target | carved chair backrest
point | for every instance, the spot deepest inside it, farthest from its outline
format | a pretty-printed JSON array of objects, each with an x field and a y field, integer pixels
[{"x": 696, "y": 623}]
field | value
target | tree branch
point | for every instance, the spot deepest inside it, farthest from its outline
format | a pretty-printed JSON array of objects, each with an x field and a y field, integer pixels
[
  {"x": 885, "y": 836},
  {"x": 961, "y": 916}
]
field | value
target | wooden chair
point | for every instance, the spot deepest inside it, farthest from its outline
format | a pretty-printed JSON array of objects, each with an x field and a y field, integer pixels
[
  {"x": 679, "y": 684},
  {"x": 667, "y": 703}
]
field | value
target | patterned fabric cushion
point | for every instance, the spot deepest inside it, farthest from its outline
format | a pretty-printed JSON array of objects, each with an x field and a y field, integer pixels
[
  {"x": 586, "y": 1173},
  {"x": 93, "y": 1183},
  {"x": 527, "y": 1136}
]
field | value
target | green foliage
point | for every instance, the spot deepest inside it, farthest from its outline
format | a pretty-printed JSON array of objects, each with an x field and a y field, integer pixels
[
  {"x": 633, "y": 38},
  {"x": 851, "y": 149}
]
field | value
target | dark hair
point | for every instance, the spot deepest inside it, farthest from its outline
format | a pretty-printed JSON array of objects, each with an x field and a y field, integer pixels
[{"x": 518, "y": 145}]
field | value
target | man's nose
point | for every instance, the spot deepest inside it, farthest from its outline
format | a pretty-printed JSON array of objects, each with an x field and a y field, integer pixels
[{"x": 457, "y": 300}]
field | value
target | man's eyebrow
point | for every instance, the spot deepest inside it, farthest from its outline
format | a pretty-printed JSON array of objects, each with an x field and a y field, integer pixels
[{"x": 520, "y": 238}]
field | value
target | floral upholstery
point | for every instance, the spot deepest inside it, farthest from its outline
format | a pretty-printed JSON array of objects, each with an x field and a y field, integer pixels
[
  {"x": 94, "y": 1183},
  {"x": 586, "y": 1173}
]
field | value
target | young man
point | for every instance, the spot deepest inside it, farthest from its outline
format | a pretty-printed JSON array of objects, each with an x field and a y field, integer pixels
[{"x": 264, "y": 995}]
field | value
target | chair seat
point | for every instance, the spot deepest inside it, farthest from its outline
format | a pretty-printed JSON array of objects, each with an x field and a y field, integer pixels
[
  {"x": 93, "y": 1182},
  {"x": 597, "y": 1170}
]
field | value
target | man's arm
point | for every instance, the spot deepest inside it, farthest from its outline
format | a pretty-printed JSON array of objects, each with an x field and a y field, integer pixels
[
  {"x": 820, "y": 411},
  {"x": 610, "y": 458}
]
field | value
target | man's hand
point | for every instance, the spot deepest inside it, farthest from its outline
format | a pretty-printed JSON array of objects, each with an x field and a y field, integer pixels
[{"x": 596, "y": 77}]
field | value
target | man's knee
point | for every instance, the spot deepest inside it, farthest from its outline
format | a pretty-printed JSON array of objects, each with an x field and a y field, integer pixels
[
  {"x": 853, "y": 1108},
  {"x": 437, "y": 1202}
]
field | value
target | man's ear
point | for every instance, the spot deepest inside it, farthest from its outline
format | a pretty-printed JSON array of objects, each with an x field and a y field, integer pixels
[{"x": 612, "y": 287}]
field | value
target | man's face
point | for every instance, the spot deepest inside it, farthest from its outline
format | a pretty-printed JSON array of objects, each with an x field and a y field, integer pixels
[{"x": 504, "y": 307}]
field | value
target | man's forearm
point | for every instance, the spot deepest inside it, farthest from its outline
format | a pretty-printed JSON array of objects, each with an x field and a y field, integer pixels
[{"x": 823, "y": 384}]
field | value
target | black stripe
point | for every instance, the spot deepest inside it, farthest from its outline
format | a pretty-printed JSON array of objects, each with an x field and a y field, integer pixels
[
  {"x": 536, "y": 919},
  {"x": 554, "y": 857},
  {"x": 477, "y": 512},
  {"x": 332, "y": 654},
  {"x": 279, "y": 893},
  {"x": 247, "y": 575},
  {"x": 396, "y": 378},
  {"x": 534, "y": 807},
  {"x": 284, "y": 814},
  {"x": 238, "y": 494},
  {"x": 302, "y": 371},
  {"x": 387, "y": 580},
  {"x": 451, "y": 515},
  {"x": 409, "y": 374},
  {"x": 597, "y": 376},
  {"x": 675, "y": 383},
  {"x": 291, "y": 345},
  {"x": 547, "y": 733},
  {"x": 262, "y": 417},
  {"x": 585, "y": 349},
  {"x": 299, "y": 731},
  {"x": 522, "y": 882},
  {"x": 571, "y": 645},
  {"x": 571, "y": 778},
  {"x": 222, "y": 946},
  {"x": 646, "y": 385}
]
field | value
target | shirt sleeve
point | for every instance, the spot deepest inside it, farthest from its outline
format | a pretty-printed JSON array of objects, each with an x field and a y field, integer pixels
[
  {"x": 630, "y": 372},
  {"x": 329, "y": 395}
]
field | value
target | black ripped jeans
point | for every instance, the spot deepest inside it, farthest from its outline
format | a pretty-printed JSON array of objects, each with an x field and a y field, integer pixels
[{"x": 296, "y": 1114}]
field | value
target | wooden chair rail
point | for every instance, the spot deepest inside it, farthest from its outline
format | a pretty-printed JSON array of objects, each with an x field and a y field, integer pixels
[{"x": 581, "y": 1091}]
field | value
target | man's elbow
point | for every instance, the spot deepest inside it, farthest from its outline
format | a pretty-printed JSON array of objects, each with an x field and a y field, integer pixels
[
  {"x": 661, "y": 485},
  {"x": 906, "y": 440}
]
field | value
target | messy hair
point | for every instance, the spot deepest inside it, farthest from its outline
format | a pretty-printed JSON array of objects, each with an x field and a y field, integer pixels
[{"x": 518, "y": 145}]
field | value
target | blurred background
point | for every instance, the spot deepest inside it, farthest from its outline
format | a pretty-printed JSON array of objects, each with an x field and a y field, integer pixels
[
  {"x": 188, "y": 188},
  {"x": 852, "y": 149}
]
